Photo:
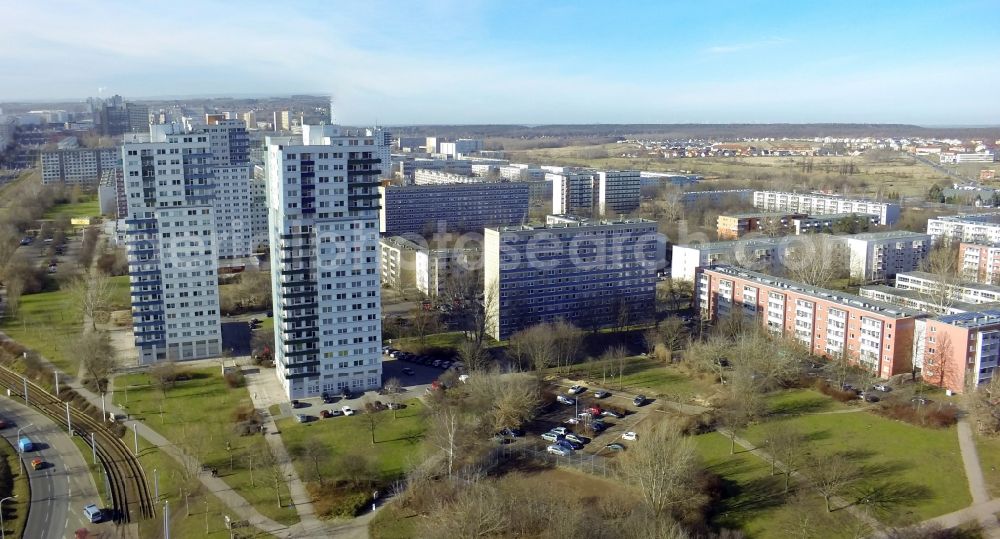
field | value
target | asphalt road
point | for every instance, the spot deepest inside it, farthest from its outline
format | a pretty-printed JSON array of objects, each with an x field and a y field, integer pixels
[{"x": 61, "y": 489}]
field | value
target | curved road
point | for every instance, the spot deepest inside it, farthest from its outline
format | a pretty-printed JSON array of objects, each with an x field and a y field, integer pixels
[{"x": 61, "y": 489}]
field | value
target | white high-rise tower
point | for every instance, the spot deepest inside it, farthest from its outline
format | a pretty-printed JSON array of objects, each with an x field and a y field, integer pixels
[{"x": 323, "y": 208}]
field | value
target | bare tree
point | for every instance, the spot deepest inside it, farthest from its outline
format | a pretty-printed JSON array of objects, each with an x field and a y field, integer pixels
[
  {"x": 616, "y": 356},
  {"x": 815, "y": 260},
  {"x": 534, "y": 344},
  {"x": 830, "y": 474},
  {"x": 476, "y": 357},
  {"x": 477, "y": 511},
  {"x": 424, "y": 322},
  {"x": 91, "y": 295},
  {"x": 269, "y": 466},
  {"x": 567, "y": 341},
  {"x": 938, "y": 360},
  {"x": 942, "y": 262},
  {"x": 983, "y": 405},
  {"x": 163, "y": 374},
  {"x": 787, "y": 445},
  {"x": 662, "y": 464},
  {"x": 97, "y": 357},
  {"x": 15, "y": 287},
  {"x": 445, "y": 429},
  {"x": 392, "y": 389},
  {"x": 373, "y": 415},
  {"x": 505, "y": 401},
  {"x": 317, "y": 454}
]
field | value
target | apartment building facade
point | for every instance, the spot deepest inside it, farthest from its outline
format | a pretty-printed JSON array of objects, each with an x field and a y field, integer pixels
[
  {"x": 931, "y": 285},
  {"x": 171, "y": 248},
  {"x": 735, "y": 226},
  {"x": 980, "y": 263},
  {"x": 807, "y": 203},
  {"x": 618, "y": 192},
  {"x": 592, "y": 273},
  {"x": 875, "y": 335},
  {"x": 436, "y": 270},
  {"x": 397, "y": 262},
  {"x": 572, "y": 192},
  {"x": 763, "y": 254},
  {"x": 959, "y": 351},
  {"x": 323, "y": 207},
  {"x": 419, "y": 209},
  {"x": 878, "y": 256},
  {"x": 438, "y": 177},
  {"x": 83, "y": 167},
  {"x": 981, "y": 228}
]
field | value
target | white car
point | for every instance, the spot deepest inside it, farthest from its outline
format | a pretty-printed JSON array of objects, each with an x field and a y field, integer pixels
[
  {"x": 566, "y": 400},
  {"x": 882, "y": 387},
  {"x": 347, "y": 410},
  {"x": 559, "y": 450},
  {"x": 574, "y": 390},
  {"x": 572, "y": 421},
  {"x": 560, "y": 430},
  {"x": 630, "y": 436}
]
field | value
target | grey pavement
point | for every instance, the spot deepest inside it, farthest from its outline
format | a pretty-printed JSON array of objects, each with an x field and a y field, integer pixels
[
  {"x": 970, "y": 458},
  {"x": 59, "y": 490}
]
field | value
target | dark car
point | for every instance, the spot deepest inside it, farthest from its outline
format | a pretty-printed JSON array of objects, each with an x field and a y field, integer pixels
[
  {"x": 328, "y": 398},
  {"x": 871, "y": 398},
  {"x": 408, "y": 371},
  {"x": 346, "y": 393},
  {"x": 297, "y": 403},
  {"x": 512, "y": 432},
  {"x": 639, "y": 400},
  {"x": 920, "y": 400}
]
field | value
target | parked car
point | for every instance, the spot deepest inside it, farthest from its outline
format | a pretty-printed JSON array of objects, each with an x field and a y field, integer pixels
[
  {"x": 513, "y": 432},
  {"x": 560, "y": 430},
  {"x": 566, "y": 400},
  {"x": 551, "y": 436},
  {"x": 326, "y": 414},
  {"x": 37, "y": 463},
  {"x": 408, "y": 371},
  {"x": 436, "y": 363},
  {"x": 93, "y": 513},
  {"x": 559, "y": 450},
  {"x": 639, "y": 400},
  {"x": 594, "y": 410},
  {"x": 575, "y": 390},
  {"x": 566, "y": 442},
  {"x": 598, "y": 426},
  {"x": 302, "y": 418},
  {"x": 445, "y": 364},
  {"x": 869, "y": 397},
  {"x": 328, "y": 398},
  {"x": 345, "y": 393},
  {"x": 882, "y": 387},
  {"x": 602, "y": 394},
  {"x": 919, "y": 399},
  {"x": 25, "y": 444},
  {"x": 613, "y": 413},
  {"x": 571, "y": 421},
  {"x": 630, "y": 436},
  {"x": 615, "y": 447},
  {"x": 576, "y": 439},
  {"x": 297, "y": 404},
  {"x": 347, "y": 410},
  {"x": 394, "y": 406}
]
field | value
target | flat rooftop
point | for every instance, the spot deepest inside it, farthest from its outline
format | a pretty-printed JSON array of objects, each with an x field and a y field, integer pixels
[
  {"x": 734, "y": 243},
  {"x": 915, "y": 295},
  {"x": 968, "y": 286},
  {"x": 886, "y": 234},
  {"x": 986, "y": 218},
  {"x": 833, "y": 296},
  {"x": 972, "y": 319}
]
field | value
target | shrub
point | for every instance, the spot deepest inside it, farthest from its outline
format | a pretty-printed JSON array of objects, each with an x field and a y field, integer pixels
[
  {"x": 335, "y": 502},
  {"x": 235, "y": 379},
  {"x": 838, "y": 394},
  {"x": 937, "y": 416}
]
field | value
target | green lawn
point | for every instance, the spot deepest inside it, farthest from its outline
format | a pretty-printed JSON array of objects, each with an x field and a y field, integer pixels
[
  {"x": 396, "y": 447},
  {"x": 989, "y": 459},
  {"x": 642, "y": 375},
  {"x": 197, "y": 415},
  {"x": 925, "y": 464},
  {"x": 85, "y": 208},
  {"x": 47, "y": 323},
  {"x": 120, "y": 298},
  {"x": 755, "y": 502},
  {"x": 802, "y": 401},
  {"x": 437, "y": 340}
]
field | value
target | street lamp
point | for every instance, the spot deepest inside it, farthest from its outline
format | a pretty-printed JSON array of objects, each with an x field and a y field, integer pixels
[
  {"x": 20, "y": 458},
  {"x": 3, "y": 533}
]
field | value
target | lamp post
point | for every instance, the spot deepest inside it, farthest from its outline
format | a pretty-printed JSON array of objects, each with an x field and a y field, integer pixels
[
  {"x": 3, "y": 532},
  {"x": 20, "y": 458},
  {"x": 156, "y": 484}
]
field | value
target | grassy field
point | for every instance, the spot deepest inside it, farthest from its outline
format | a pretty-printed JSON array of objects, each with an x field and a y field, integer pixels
[
  {"x": 15, "y": 512},
  {"x": 925, "y": 463},
  {"x": 119, "y": 297},
  {"x": 437, "y": 340},
  {"x": 47, "y": 323},
  {"x": 396, "y": 447},
  {"x": 86, "y": 207},
  {"x": 801, "y": 401},
  {"x": 642, "y": 375},
  {"x": 902, "y": 174},
  {"x": 197, "y": 414},
  {"x": 989, "y": 459},
  {"x": 755, "y": 501}
]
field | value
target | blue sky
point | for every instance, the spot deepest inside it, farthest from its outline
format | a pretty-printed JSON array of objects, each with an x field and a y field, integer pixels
[{"x": 534, "y": 62}]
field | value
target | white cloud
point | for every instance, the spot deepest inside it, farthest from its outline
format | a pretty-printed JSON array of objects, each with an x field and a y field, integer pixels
[{"x": 740, "y": 47}]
